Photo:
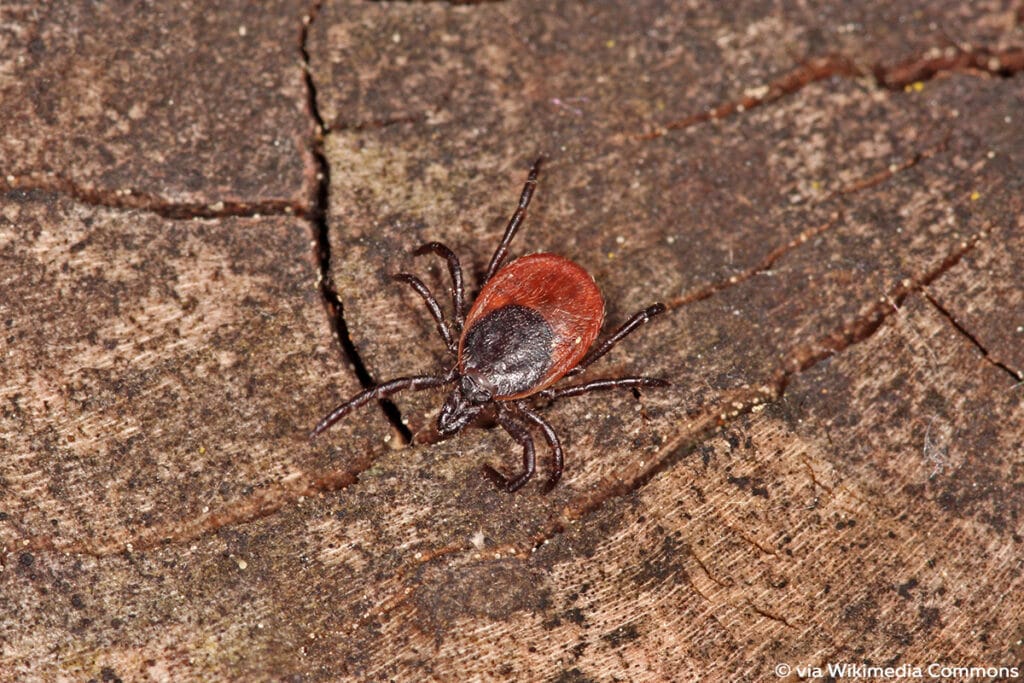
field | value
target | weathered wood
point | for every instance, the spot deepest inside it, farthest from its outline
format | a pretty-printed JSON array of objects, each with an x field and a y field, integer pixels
[
  {"x": 829, "y": 200},
  {"x": 174, "y": 108}
]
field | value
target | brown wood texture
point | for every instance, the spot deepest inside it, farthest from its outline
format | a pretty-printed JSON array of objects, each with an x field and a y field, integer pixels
[{"x": 201, "y": 208}]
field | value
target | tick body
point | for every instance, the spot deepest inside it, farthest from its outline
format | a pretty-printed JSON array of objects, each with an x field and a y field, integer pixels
[{"x": 532, "y": 324}]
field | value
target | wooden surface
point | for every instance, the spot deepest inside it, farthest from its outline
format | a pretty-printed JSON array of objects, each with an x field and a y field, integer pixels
[{"x": 200, "y": 213}]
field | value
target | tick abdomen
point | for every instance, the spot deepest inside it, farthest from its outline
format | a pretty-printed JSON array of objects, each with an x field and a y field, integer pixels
[{"x": 553, "y": 311}]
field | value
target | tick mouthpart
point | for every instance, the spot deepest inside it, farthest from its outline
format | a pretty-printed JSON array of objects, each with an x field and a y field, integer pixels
[{"x": 456, "y": 412}]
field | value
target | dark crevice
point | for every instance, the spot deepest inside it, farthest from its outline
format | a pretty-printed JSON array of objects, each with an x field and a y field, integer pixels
[
  {"x": 141, "y": 201},
  {"x": 318, "y": 217},
  {"x": 999, "y": 63},
  {"x": 768, "y": 615},
  {"x": 1017, "y": 377}
]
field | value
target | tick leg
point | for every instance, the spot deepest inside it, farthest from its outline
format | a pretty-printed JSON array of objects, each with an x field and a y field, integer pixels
[
  {"x": 552, "y": 439},
  {"x": 455, "y": 269},
  {"x": 435, "y": 310},
  {"x": 600, "y": 384},
  {"x": 521, "y": 434},
  {"x": 514, "y": 222},
  {"x": 627, "y": 327},
  {"x": 378, "y": 392}
]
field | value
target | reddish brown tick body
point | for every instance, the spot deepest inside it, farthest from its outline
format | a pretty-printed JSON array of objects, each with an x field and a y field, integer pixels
[{"x": 531, "y": 325}]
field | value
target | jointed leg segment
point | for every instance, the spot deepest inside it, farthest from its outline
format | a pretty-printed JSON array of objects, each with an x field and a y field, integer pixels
[
  {"x": 600, "y": 384},
  {"x": 553, "y": 442},
  {"x": 514, "y": 222},
  {"x": 378, "y": 392},
  {"x": 522, "y": 436},
  {"x": 636, "y": 321},
  {"x": 432, "y": 306},
  {"x": 455, "y": 270}
]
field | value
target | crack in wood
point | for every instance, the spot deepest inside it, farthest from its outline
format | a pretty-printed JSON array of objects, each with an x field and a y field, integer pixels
[
  {"x": 763, "y": 266},
  {"x": 811, "y": 475},
  {"x": 751, "y": 542},
  {"x": 891, "y": 171},
  {"x": 1002, "y": 63},
  {"x": 318, "y": 218},
  {"x": 707, "y": 572},
  {"x": 870, "y": 320},
  {"x": 811, "y": 71},
  {"x": 1017, "y": 376},
  {"x": 131, "y": 199},
  {"x": 768, "y": 615},
  {"x": 933, "y": 62},
  {"x": 264, "y": 503}
]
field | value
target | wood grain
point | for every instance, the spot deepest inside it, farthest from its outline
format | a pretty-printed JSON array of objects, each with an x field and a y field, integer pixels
[{"x": 829, "y": 199}]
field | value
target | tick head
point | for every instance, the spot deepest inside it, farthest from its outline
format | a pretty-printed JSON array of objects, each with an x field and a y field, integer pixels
[{"x": 463, "y": 404}]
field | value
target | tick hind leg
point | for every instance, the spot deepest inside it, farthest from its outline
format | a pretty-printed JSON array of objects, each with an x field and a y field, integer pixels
[
  {"x": 552, "y": 439},
  {"x": 627, "y": 327},
  {"x": 522, "y": 436},
  {"x": 602, "y": 384},
  {"x": 513, "y": 224}
]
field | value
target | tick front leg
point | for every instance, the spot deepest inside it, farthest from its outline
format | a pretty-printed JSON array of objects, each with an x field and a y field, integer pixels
[
  {"x": 378, "y": 392},
  {"x": 455, "y": 270},
  {"x": 522, "y": 436},
  {"x": 431, "y": 302}
]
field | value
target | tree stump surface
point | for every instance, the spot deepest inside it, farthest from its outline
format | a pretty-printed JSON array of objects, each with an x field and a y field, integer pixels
[{"x": 201, "y": 211}]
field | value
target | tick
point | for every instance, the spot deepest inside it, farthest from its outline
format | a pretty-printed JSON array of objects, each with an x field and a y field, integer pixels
[{"x": 532, "y": 324}]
